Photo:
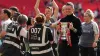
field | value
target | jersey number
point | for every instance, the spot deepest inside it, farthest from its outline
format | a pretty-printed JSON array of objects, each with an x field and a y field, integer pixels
[{"x": 35, "y": 30}]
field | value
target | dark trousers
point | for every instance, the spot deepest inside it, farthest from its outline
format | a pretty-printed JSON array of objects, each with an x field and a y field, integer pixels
[
  {"x": 66, "y": 50},
  {"x": 87, "y": 51},
  {"x": 98, "y": 52}
]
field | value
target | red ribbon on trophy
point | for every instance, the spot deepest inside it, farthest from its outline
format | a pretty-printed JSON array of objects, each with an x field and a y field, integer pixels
[{"x": 68, "y": 36}]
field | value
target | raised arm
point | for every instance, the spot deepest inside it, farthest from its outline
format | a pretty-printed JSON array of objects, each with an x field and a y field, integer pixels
[
  {"x": 56, "y": 9},
  {"x": 36, "y": 7}
]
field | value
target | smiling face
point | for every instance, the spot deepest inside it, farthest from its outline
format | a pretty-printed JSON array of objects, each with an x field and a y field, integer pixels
[
  {"x": 2, "y": 15},
  {"x": 67, "y": 10},
  {"x": 48, "y": 12}
]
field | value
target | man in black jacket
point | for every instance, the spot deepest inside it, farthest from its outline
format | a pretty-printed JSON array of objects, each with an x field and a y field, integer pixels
[{"x": 71, "y": 48}]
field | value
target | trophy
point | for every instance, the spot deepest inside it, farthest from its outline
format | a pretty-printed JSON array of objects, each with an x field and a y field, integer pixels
[{"x": 63, "y": 30}]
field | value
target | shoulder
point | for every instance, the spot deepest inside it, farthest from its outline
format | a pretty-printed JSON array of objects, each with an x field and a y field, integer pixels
[
  {"x": 62, "y": 19},
  {"x": 94, "y": 24},
  {"x": 76, "y": 18},
  {"x": 8, "y": 21},
  {"x": 47, "y": 28}
]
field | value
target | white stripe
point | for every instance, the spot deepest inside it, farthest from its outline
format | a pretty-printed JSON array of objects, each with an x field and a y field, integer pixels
[
  {"x": 41, "y": 52},
  {"x": 43, "y": 35},
  {"x": 12, "y": 43},
  {"x": 12, "y": 34},
  {"x": 36, "y": 44}
]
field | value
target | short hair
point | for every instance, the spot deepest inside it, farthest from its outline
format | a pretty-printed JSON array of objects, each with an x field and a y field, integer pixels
[
  {"x": 22, "y": 19},
  {"x": 70, "y": 4},
  {"x": 40, "y": 18},
  {"x": 8, "y": 12},
  {"x": 14, "y": 8},
  {"x": 90, "y": 13}
]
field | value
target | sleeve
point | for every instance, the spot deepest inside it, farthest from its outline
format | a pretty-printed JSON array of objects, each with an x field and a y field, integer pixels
[
  {"x": 5, "y": 24},
  {"x": 78, "y": 27},
  {"x": 23, "y": 32},
  {"x": 50, "y": 37},
  {"x": 95, "y": 28},
  {"x": 4, "y": 27}
]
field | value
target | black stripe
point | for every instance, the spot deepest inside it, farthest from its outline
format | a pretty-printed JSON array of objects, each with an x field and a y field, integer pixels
[{"x": 13, "y": 39}]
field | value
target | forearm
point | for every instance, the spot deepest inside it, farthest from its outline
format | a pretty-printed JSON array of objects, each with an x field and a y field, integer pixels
[
  {"x": 55, "y": 5},
  {"x": 56, "y": 9},
  {"x": 96, "y": 37},
  {"x": 36, "y": 7}
]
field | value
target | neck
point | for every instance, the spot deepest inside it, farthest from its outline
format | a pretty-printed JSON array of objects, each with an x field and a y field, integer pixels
[
  {"x": 69, "y": 14},
  {"x": 88, "y": 21},
  {"x": 48, "y": 18}
]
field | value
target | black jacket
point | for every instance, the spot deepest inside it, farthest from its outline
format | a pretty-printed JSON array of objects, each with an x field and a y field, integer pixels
[{"x": 76, "y": 24}]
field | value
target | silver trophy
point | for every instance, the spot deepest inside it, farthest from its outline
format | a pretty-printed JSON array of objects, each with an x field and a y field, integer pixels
[{"x": 63, "y": 29}]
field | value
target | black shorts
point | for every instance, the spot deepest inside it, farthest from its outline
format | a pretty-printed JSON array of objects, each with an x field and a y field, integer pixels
[{"x": 10, "y": 50}]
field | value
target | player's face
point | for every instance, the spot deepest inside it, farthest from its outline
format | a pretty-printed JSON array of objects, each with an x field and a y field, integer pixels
[
  {"x": 48, "y": 12},
  {"x": 12, "y": 12},
  {"x": 2, "y": 15},
  {"x": 67, "y": 10},
  {"x": 87, "y": 18}
]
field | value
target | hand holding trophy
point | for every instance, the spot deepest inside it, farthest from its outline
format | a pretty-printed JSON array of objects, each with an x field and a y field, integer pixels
[{"x": 65, "y": 30}]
